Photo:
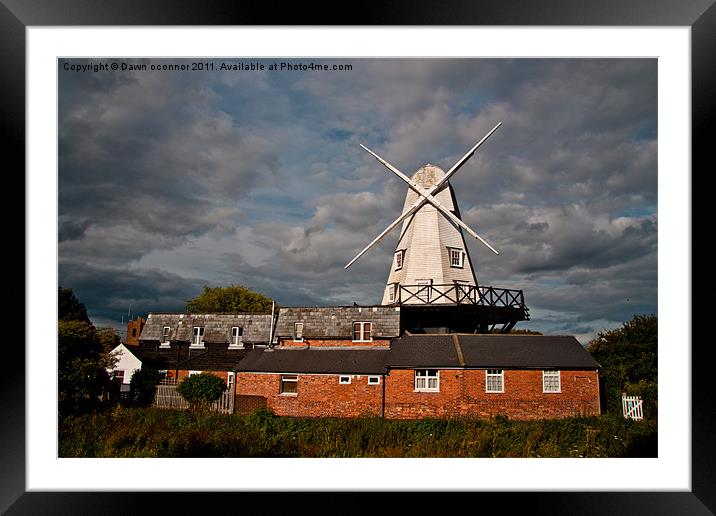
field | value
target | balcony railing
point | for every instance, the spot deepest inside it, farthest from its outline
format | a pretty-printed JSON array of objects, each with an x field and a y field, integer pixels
[{"x": 460, "y": 294}]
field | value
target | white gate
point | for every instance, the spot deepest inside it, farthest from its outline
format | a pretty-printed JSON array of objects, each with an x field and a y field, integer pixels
[
  {"x": 168, "y": 397},
  {"x": 632, "y": 407}
]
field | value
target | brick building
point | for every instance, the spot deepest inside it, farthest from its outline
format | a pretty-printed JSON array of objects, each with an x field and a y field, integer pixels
[{"x": 134, "y": 330}]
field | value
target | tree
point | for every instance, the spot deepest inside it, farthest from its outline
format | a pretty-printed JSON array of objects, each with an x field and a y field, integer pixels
[
  {"x": 234, "y": 298},
  {"x": 83, "y": 357},
  {"x": 142, "y": 386},
  {"x": 200, "y": 390},
  {"x": 69, "y": 308},
  {"x": 629, "y": 358}
]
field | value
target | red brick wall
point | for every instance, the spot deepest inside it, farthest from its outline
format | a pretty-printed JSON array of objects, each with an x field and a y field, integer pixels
[
  {"x": 137, "y": 325},
  {"x": 325, "y": 343},
  {"x": 462, "y": 393},
  {"x": 317, "y": 396}
]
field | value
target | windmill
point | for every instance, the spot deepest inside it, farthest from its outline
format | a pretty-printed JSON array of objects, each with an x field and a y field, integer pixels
[{"x": 431, "y": 264}]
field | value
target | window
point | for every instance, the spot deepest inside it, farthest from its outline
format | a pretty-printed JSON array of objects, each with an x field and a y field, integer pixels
[
  {"x": 236, "y": 333},
  {"x": 423, "y": 291},
  {"x": 289, "y": 384},
  {"x": 457, "y": 257},
  {"x": 344, "y": 380},
  {"x": 550, "y": 381},
  {"x": 392, "y": 288},
  {"x": 165, "y": 335},
  {"x": 119, "y": 375},
  {"x": 192, "y": 373},
  {"x": 361, "y": 331},
  {"x": 399, "y": 255},
  {"x": 427, "y": 380},
  {"x": 163, "y": 374},
  {"x": 374, "y": 380},
  {"x": 134, "y": 332},
  {"x": 298, "y": 332},
  {"x": 229, "y": 380},
  {"x": 198, "y": 336},
  {"x": 495, "y": 380}
]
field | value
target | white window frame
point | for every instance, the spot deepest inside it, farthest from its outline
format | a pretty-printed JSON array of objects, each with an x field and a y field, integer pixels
[
  {"x": 236, "y": 336},
  {"x": 422, "y": 381},
  {"x": 342, "y": 379},
  {"x": 374, "y": 380},
  {"x": 197, "y": 338},
  {"x": 547, "y": 373},
  {"x": 192, "y": 373},
  {"x": 425, "y": 295},
  {"x": 288, "y": 378},
  {"x": 166, "y": 334},
  {"x": 492, "y": 373},
  {"x": 399, "y": 259},
  {"x": 296, "y": 326},
  {"x": 460, "y": 256},
  {"x": 230, "y": 379},
  {"x": 362, "y": 331},
  {"x": 392, "y": 290}
]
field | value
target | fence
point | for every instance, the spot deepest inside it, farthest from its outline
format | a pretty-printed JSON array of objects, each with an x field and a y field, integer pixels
[
  {"x": 168, "y": 397},
  {"x": 632, "y": 407}
]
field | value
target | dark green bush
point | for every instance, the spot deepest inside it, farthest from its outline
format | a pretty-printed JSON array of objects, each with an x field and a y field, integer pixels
[{"x": 200, "y": 390}]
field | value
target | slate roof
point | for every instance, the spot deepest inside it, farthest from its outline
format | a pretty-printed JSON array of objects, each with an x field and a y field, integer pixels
[
  {"x": 327, "y": 361},
  {"x": 490, "y": 351},
  {"x": 217, "y": 327},
  {"x": 337, "y": 321},
  {"x": 215, "y": 357}
]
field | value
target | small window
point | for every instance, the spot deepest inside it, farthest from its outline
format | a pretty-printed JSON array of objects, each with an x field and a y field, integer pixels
[
  {"x": 162, "y": 374},
  {"x": 119, "y": 375},
  {"x": 362, "y": 331},
  {"x": 134, "y": 332},
  {"x": 229, "y": 379},
  {"x": 427, "y": 380},
  {"x": 457, "y": 257},
  {"x": 165, "y": 334},
  {"x": 298, "y": 331},
  {"x": 495, "y": 380},
  {"x": 374, "y": 380},
  {"x": 399, "y": 255},
  {"x": 236, "y": 333},
  {"x": 289, "y": 384},
  {"x": 192, "y": 373},
  {"x": 344, "y": 380},
  {"x": 551, "y": 381},
  {"x": 198, "y": 336}
]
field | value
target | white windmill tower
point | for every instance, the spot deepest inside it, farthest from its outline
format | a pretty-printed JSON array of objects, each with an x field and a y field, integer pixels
[{"x": 432, "y": 266}]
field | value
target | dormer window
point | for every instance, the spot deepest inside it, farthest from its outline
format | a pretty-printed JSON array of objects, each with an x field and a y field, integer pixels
[
  {"x": 237, "y": 333},
  {"x": 197, "y": 338},
  {"x": 399, "y": 255},
  {"x": 298, "y": 332},
  {"x": 165, "y": 335},
  {"x": 457, "y": 257}
]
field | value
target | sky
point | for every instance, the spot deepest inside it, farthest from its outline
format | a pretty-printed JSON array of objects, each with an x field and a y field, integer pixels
[{"x": 169, "y": 181}]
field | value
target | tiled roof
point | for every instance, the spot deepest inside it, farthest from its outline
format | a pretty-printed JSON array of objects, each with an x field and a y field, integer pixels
[
  {"x": 214, "y": 357},
  {"x": 336, "y": 361},
  {"x": 217, "y": 327},
  {"x": 337, "y": 321},
  {"x": 490, "y": 351}
]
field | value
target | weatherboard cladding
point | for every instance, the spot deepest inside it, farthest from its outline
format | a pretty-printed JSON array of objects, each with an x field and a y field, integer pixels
[
  {"x": 217, "y": 327},
  {"x": 337, "y": 321},
  {"x": 490, "y": 351},
  {"x": 315, "y": 361}
]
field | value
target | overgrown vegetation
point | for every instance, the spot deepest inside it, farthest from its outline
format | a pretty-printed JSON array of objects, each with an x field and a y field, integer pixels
[
  {"x": 135, "y": 432},
  {"x": 200, "y": 390},
  {"x": 629, "y": 358},
  {"x": 234, "y": 298}
]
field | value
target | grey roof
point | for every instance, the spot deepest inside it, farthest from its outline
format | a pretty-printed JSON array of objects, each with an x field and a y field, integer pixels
[
  {"x": 337, "y": 321},
  {"x": 336, "y": 361},
  {"x": 214, "y": 357},
  {"x": 217, "y": 327},
  {"x": 490, "y": 351}
]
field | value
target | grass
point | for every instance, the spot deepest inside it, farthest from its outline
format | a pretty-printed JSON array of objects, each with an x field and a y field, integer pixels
[{"x": 150, "y": 432}]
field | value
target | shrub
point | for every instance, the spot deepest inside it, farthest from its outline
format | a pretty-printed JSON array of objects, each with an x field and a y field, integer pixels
[
  {"x": 201, "y": 390},
  {"x": 143, "y": 386}
]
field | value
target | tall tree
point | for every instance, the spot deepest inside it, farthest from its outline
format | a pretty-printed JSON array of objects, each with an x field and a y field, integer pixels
[
  {"x": 234, "y": 298},
  {"x": 69, "y": 307},
  {"x": 629, "y": 358}
]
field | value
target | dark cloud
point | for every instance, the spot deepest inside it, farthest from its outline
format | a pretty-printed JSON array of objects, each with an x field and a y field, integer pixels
[{"x": 259, "y": 179}]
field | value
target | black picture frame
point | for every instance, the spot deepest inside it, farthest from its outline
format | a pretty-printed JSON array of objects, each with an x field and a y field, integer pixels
[{"x": 17, "y": 15}]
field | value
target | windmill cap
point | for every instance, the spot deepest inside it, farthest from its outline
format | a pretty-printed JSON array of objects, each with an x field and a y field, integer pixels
[{"x": 428, "y": 175}]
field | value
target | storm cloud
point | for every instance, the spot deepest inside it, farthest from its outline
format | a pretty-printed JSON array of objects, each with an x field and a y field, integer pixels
[{"x": 170, "y": 181}]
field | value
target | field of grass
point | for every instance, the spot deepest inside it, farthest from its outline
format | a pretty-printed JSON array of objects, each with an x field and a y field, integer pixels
[{"x": 147, "y": 432}]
